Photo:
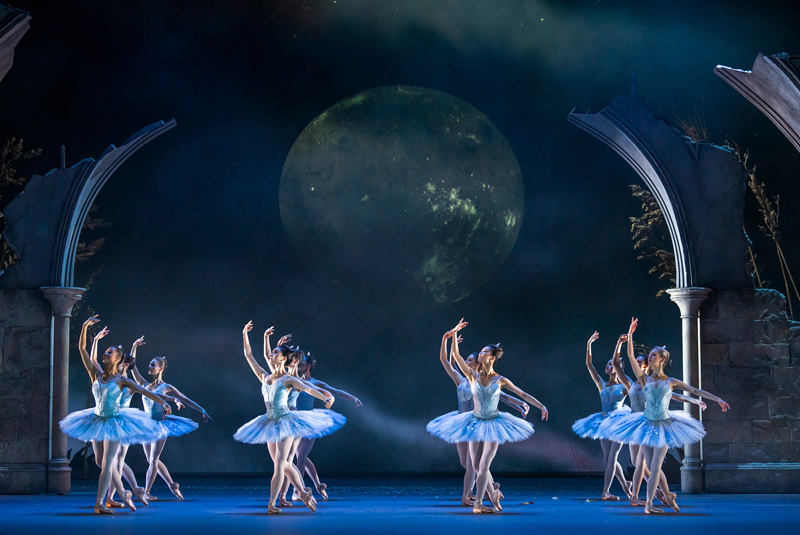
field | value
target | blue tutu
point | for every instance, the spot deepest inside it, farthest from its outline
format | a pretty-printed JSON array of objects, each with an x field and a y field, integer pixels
[
  {"x": 315, "y": 423},
  {"x": 175, "y": 426},
  {"x": 456, "y": 427},
  {"x": 127, "y": 426},
  {"x": 590, "y": 426},
  {"x": 675, "y": 431}
]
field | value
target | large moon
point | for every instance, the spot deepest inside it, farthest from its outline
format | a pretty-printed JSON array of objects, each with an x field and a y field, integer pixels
[{"x": 403, "y": 192}]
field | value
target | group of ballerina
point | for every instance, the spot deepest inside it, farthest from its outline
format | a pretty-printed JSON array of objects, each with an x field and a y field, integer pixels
[
  {"x": 289, "y": 427},
  {"x": 290, "y": 424}
]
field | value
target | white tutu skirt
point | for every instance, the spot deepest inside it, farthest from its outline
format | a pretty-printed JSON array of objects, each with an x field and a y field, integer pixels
[
  {"x": 590, "y": 426},
  {"x": 315, "y": 423},
  {"x": 456, "y": 427},
  {"x": 130, "y": 426},
  {"x": 634, "y": 428},
  {"x": 175, "y": 426}
]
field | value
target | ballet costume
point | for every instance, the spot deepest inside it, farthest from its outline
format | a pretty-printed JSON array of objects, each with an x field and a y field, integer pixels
[
  {"x": 638, "y": 401},
  {"x": 108, "y": 420},
  {"x": 656, "y": 426},
  {"x": 611, "y": 399},
  {"x": 279, "y": 422},
  {"x": 169, "y": 425},
  {"x": 484, "y": 423}
]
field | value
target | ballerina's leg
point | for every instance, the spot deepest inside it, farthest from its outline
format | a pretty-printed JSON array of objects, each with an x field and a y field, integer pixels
[
  {"x": 305, "y": 466},
  {"x": 153, "y": 458},
  {"x": 119, "y": 461},
  {"x": 289, "y": 459},
  {"x": 639, "y": 473},
  {"x": 108, "y": 473},
  {"x": 469, "y": 474},
  {"x": 482, "y": 465},
  {"x": 654, "y": 457},
  {"x": 280, "y": 452}
]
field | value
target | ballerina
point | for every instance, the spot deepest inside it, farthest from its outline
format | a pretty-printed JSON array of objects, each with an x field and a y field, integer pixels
[
  {"x": 108, "y": 425},
  {"x": 638, "y": 404},
  {"x": 466, "y": 404},
  {"x": 169, "y": 425},
  {"x": 658, "y": 428},
  {"x": 305, "y": 402},
  {"x": 612, "y": 395},
  {"x": 119, "y": 460},
  {"x": 279, "y": 426},
  {"x": 484, "y": 426}
]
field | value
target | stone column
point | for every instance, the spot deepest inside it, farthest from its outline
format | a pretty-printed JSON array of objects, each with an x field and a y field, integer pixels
[
  {"x": 689, "y": 301},
  {"x": 62, "y": 300}
]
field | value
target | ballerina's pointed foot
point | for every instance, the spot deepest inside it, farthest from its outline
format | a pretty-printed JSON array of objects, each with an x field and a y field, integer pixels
[
  {"x": 128, "y": 499},
  {"x": 308, "y": 499},
  {"x": 650, "y": 510},
  {"x": 283, "y": 502},
  {"x": 629, "y": 489},
  {"x": 635, "y": 502},
  {"x": 480, "y": 509},
  {"x": 466, "y": 502},
  {"x": 272, "y": 510},
  {"x": 111, "y": 503},
  {"x": 494, "y": 497},
  {"x": 103, "y": 510},
  {"x": 322, "y": 491},
  {"x": 607, "y": 497},
  {"x": 176, "y": 490},
  {"x": 150, "y": 498},
  {"x": 141, "y": 495},
  {"x": 671, "y": 501}
]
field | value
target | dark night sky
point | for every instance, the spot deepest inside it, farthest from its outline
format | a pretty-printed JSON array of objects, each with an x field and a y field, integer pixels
[{"x": 196, "y": 247}]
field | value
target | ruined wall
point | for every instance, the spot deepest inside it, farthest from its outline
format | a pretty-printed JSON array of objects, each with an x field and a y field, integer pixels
[
  {"x": 750, "y": 357},
  {"x": 24, "y": 390}
]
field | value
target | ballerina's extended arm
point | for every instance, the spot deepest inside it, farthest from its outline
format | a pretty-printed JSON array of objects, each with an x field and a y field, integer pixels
[
  {"x": 308, "y": 388},
  {"x": 327, "y": 388},
  {"x": 176, "y": 394},
  {"x": 615, "y": 362},
  {"x": 141, "y": 381},
  {"x": 88, "y": 362},
  {"x": 448, "y": 367},
  {"x": 688, "y": 399},
  {"x": 677, "y": 383},
  {"x": 248, "y": 354},
  {"x": 508, "y": 385},
  {"x": 468, "y": 372},
  {"x": 589, "y": 366},
  {"x": 124, "y": 382},
  {"x": 515, "y": 403},
  {"x": 268, "y": 349},
  {"x": 637, "y": 370}
]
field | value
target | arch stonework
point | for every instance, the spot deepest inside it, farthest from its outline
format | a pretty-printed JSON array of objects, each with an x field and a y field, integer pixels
[
  {"x": 13, "y": 25},
  {"x": 700, "y": 189},
  {"x": 43, "y": 226},
  {"x": 773, "y": 86}
]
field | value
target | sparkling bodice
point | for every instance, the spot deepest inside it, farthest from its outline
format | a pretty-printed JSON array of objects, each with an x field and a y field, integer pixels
[
  {"x": 464, "y": 391},
  {"x": 486, "y": 399},
  {"x": 106, "y": 398},
  {"x": 276, "y": 398},
  {"x": 657, "y": 394},
  {"x": 291, "y": 401},
  {"x": 637, "y": 397},
  {"x": 155, "y": 410},
  {"x": 611, "y": 397},
  {"x": 125, "y": 399}
]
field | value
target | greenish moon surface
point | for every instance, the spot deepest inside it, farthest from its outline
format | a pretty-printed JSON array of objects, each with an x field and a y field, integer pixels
[{"x": 404, "y": 193}]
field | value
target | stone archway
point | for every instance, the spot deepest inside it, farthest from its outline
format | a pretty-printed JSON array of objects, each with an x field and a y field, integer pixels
[
  {"x": 700, "y": 189},
  {"x": 43, "y": 225}
]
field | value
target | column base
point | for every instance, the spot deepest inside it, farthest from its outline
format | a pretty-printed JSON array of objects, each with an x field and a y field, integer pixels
[
  {"x": 692, "y": 476},
  {"x": 59, "y": 476}
]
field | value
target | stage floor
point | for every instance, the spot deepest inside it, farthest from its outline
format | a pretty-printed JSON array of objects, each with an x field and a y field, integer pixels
[{"x": 396, "y": 505}]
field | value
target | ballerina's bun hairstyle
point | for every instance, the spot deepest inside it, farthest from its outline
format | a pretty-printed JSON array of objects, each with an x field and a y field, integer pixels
[
  {"x": 297, "y": 353},
  {"x": 497, "y": 351},
  {"x": 286, "y": 351},
  {"x": 127, "y": 359},
  {"x": 162, "y": 360},
  {"x": 309, "y": 361}
]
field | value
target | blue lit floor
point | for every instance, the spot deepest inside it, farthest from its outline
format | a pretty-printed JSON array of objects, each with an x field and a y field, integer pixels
[{"x": 397, "y": 505}]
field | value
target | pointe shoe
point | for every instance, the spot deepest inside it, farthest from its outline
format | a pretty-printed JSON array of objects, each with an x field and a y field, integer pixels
[
  {"x": 176, "y": 490},
  {"x": 671, "y": 501},
  {"x": 141, "y": 495},
  {"x": 308, "y": 499},
  {"x": 102, "y": 510},
  {"x": 494, "y": 497},
  {"x": 150, "y": 497},
  {"x": 284, "y": 503},
  {"x": 608, "y": 498},
  {"x": 636, "y": 502},
  {"x": 480, "y": 509},
  {"x": 650, "y": 510},
  {"x": 322, "y": 492},
  {"x": 128, "y": 499},
  {"x": 272, "y": 510},
  {"x": 112, "y": 503}
]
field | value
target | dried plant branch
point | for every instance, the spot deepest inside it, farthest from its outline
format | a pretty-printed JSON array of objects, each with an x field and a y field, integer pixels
[
  {"x": 692, "y": 126},
  {"x": 651, "y": 237}
]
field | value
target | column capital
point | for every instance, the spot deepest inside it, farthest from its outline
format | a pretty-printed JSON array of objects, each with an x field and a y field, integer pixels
[
  {"x": 62, "y": 298},
  {"x": 689, "y": 299}
]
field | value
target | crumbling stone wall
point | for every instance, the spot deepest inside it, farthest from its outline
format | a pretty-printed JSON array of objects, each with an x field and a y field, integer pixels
[
  {"x": 750, "y": 357},
  {"x": 24, "y": 391}
]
